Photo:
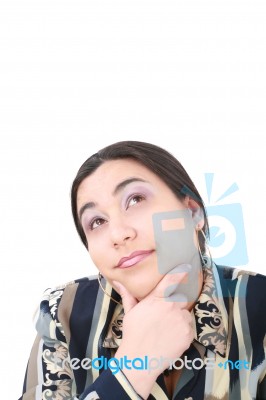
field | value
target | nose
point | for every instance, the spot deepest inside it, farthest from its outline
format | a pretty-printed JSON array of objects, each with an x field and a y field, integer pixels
[{"x": 121, "y": 232}]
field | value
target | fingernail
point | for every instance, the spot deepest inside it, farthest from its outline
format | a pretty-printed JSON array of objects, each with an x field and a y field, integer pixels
[
  {"x": 178, "y": 298},
  {"x": 181, "y": 268},
  {"x": 170, "y": 290}
]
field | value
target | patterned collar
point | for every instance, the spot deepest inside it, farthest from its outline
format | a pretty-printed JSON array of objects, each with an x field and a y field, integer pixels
[{"x": 210, "y": 316}]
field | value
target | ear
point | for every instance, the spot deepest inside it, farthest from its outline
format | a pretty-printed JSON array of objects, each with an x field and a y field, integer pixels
[{"x": 197, "y": 212}]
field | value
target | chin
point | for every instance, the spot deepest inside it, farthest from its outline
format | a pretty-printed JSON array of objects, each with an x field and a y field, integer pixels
[
  {"x": 141, "y": 281},
  {"x": 141, "y": 291}
]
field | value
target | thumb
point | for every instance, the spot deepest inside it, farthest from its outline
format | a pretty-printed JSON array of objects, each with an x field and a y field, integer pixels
[
  {"x": 173, "y": 282},
  {"x": 128, "y": 300}
]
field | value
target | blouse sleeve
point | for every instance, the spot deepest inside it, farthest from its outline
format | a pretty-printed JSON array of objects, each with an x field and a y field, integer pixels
[
  {"x": 49, "y": 374},
  {"x": 261, "y": 393}
]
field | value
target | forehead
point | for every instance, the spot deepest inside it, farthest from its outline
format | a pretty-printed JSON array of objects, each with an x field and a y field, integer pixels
[{"x": 104, "y": 179}]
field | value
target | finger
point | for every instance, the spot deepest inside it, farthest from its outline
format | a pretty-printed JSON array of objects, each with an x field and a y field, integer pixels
[
  {"x": 128, "y": 300},
  {"x": 170, "y": 282}
]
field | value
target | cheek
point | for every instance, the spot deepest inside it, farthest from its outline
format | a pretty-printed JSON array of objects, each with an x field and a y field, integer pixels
[
  {"x": 98, "y": 252},
  {"x": 145, "y": 234}
]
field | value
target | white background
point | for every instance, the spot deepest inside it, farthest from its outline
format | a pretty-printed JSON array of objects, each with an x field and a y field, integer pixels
[{"x": 78, "y": 75}]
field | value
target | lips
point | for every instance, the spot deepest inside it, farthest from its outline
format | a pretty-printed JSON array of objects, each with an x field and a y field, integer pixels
[{"x": 134, "y": 258}]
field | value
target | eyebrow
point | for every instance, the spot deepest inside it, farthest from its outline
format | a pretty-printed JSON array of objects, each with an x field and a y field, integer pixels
[{"x": 117, "y": 189}]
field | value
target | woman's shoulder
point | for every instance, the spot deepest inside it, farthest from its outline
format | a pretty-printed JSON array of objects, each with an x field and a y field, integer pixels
[
  {"x": 55, "y": 293},
  {"x": 65, "y": 302},
  {"x": 243, "y": 284},
  {"x": 87, "y": 281},
  {"x": 64, "y": 296},
  {"x": 239, "y": 274}
]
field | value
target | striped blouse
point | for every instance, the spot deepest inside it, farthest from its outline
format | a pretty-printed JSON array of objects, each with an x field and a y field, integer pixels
[{"x": 79, "y": 329}]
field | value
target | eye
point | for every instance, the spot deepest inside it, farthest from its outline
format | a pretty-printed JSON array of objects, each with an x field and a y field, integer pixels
[
  {"x": 95, "y": 223},
  {"x": 135, "y": 199}
]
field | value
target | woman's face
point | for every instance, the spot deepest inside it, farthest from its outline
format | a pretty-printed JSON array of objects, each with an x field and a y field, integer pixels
[{"x": 116, "y": 204}]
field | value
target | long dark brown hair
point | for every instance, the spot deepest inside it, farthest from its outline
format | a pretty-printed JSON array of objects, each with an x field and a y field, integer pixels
[{"x": 159, "y": 161}]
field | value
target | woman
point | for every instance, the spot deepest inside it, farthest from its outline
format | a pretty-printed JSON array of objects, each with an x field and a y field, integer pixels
[{"x": 161, "y": 321}]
